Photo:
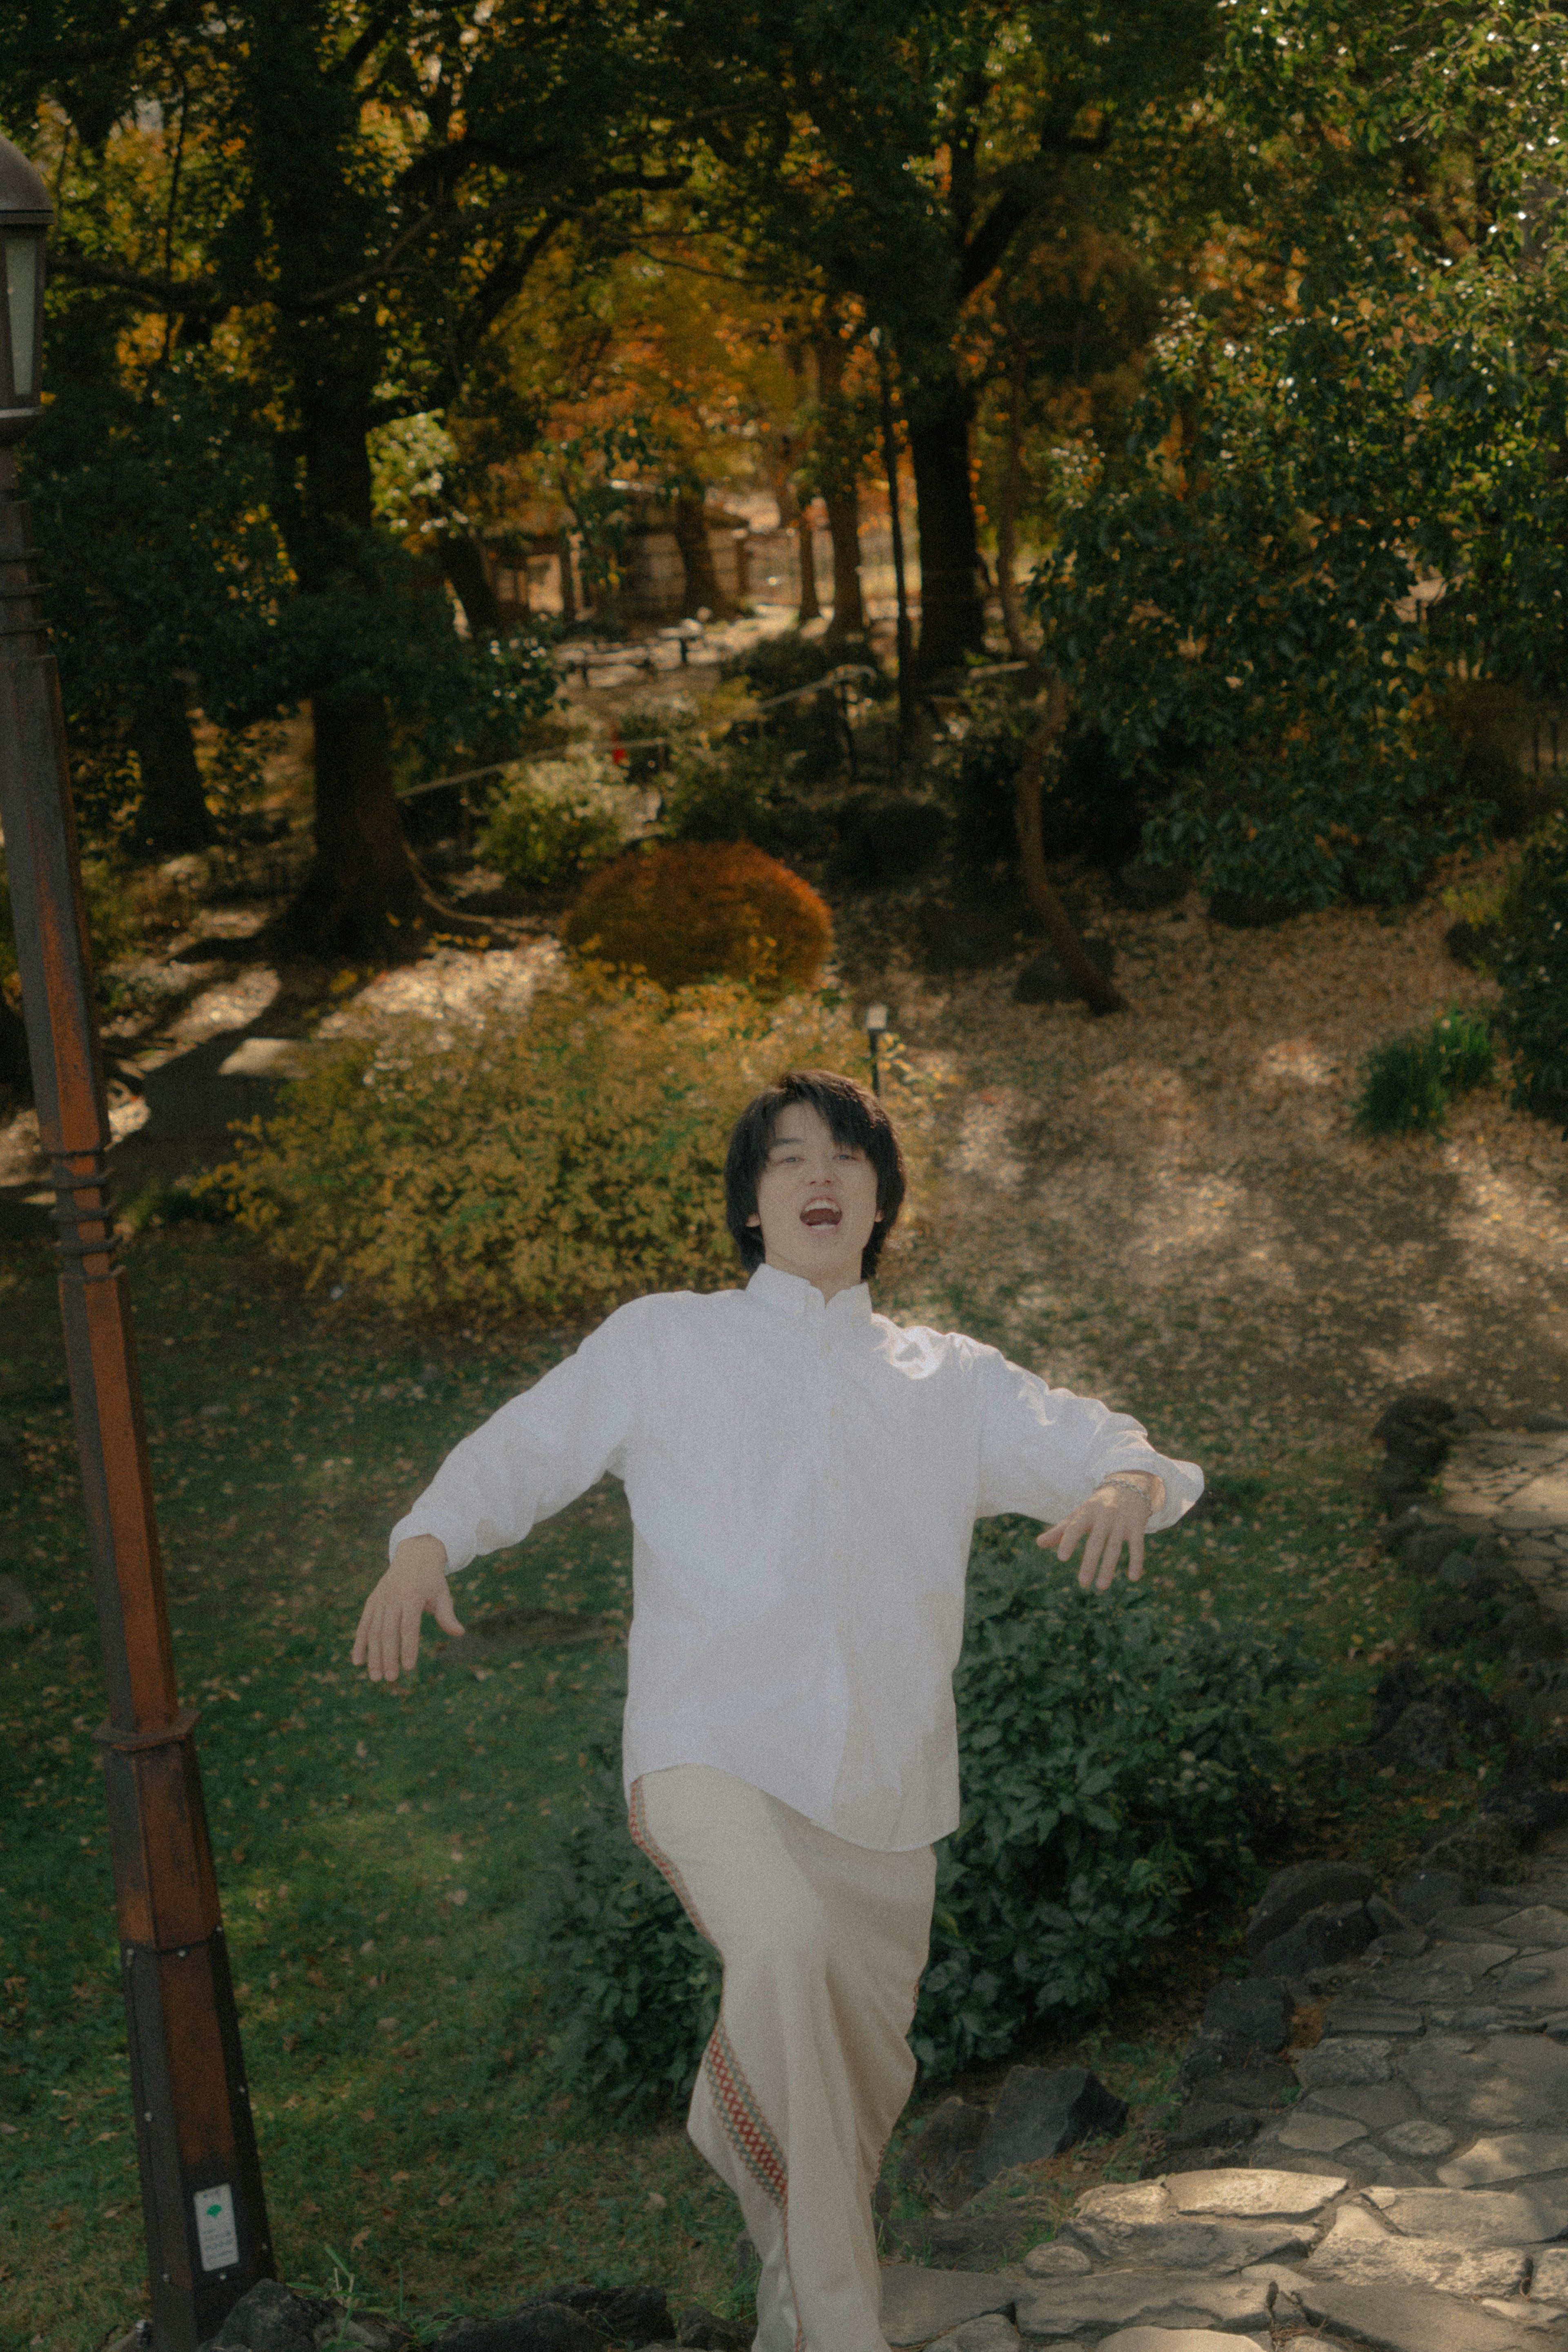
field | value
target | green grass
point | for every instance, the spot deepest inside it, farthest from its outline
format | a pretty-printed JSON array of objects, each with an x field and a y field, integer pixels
[{"x": 375, "y": 1847}]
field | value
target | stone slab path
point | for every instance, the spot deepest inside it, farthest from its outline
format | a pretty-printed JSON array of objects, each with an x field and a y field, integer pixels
[
  {"x": 1513, "y": 1484},
  {"x": 1413, "y": 2198}
]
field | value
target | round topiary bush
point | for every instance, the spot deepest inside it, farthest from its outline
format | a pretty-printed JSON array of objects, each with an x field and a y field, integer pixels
[{"x": 703, "y": 910}]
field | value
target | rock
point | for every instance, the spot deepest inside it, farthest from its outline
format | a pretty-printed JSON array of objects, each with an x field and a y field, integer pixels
[
  {"x": 1249, "y": 2086},
  {"x": 1357, "y": 2248},
  {"x": 1321, "y": 1939},
  {"x": 272, "y": 2318},
  {"x": 1403, "y": 1686},
  {"x": 1474, "y": 2217},
  {"x": 1420, "y": 1895},
  {"x": 1401, "y": 2318},
  {"x": 1251, "y": 2195},
  {"x": 1174, "y": 2339},
  {"x": 1256, "y": 2012},
  {"x": 1141, "y": 2223},
  {"x": 1428, "y": 1548},
  {"x": 1446, "y": 1620},
  {"x": 1241, "y": 910},
  {"x": 1476, "y": 1713},
  {"x": 1509, "y": 2156},
  {"x": 1522, "y": 1635},
  {"x": 638, "y": 2314},
  {"x": 1313, "y": 2135},
  {"x": 938, "y": 2158},
  {"x": 1378, "y": 2105},
  {"x": 1421, "y": 2139},
  {"x": 708, "y": 2333},
  {"x": 1385, "y": 1917},
  {"x": 1481, "y": 1846},
  {"x": 1539, "y": 1423},
  {"x": 1368, "y": 2014},
  {"x": 1043, "y": 2111},
  {"x": 917, "y": 2305},
  {"x": 1541, "y": 1927},
  {"x": 1208, "y": 2123},
  {"x": 1056, "y": 2259},
  {"x": 1043, "y": 980},
  {"x": 1474, "y": 945},
  {"x": 1420, "y": 1741},
  {"x": 1418, "y": 1409},
  {"x": 1549, "y": 2277},
  {"x": 1345, "y": 2063},
  {"x": 1058, "y": 2312},
  {"x": 992, "y": 2334},
  {"x": 1408, "y": 1944},
  {"x": 1145, "y": 887},
  {"x": 537, "y": 2328},
  {"x": 954, "y": 2245}
]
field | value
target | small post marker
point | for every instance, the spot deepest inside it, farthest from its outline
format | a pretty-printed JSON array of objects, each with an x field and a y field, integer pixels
[{"x": 876, "y": 1026}]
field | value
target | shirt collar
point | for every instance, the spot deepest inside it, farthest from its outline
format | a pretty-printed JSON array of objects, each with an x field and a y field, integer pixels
[{"x": 792, "y": 1294}]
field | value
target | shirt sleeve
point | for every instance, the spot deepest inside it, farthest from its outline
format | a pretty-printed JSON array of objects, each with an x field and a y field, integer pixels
[
  {"x": 1043, "y": 1451},
  {"x": 539, "y": 1452}
]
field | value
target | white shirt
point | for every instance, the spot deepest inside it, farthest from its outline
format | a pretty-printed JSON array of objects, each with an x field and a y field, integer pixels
[{"x": 804, "y": 1478}]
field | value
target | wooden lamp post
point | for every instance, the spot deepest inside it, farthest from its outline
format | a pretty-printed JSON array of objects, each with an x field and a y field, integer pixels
[{"x": 205, "y": 2213}]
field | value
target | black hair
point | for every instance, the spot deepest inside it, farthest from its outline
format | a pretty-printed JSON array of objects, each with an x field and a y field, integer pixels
[{"x": 853, "y": 1115}]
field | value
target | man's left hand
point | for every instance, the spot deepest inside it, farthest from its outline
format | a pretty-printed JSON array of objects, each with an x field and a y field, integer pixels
[{"x": 1114, "y": 1517}]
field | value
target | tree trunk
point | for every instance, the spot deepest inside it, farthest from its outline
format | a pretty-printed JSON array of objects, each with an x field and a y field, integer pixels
[
  {"x": 1006, "y": 520},
  {"x": 844, "y": 530},
  {"x": 952, "y": 609},
  {"x": 1076, "y": 962},
  {"x": 462, "y": 562},
  {"x": 703, "y": 591},
  {"x": 363, "y": 895},
  {"x": 806, "y": 541},
  {"x": 568, "y": 586},
  {"x": 173, "y": 816}
]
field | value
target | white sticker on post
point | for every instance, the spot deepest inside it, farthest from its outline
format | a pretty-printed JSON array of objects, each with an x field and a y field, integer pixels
[{"x": 215, "y": 2233}]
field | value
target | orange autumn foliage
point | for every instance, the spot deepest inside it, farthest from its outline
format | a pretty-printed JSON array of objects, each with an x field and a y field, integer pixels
[{"x": 696, "y": 910}]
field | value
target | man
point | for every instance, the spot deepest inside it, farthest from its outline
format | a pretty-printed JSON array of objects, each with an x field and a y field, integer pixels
[{"x": 804, "y": 1477}]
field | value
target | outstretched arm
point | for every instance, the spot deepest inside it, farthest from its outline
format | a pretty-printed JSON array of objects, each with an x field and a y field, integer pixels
[{"x": 388, "y": 1634}]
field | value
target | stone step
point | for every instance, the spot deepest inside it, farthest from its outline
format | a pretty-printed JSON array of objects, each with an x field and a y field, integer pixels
[
  {"x": 1065, "y": 2311},
  {"x": 1404, "y": 2318},
  {"x": 1178, "y": 2339},
  {"x": 918, "y": 2303}
]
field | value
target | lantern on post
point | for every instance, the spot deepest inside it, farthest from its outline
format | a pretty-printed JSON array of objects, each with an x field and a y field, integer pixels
[
  {"x": 202, "y": 2206},
  {"x": 876, "y": 1029},
  {"x": 25, "y": 212}
]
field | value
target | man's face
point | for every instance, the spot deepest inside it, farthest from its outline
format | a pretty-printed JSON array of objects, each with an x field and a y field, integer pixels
[{"x": 816, "y": 1202}]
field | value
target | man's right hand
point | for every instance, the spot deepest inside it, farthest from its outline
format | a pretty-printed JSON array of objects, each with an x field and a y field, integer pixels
[{"x": 388, "y": 1636}]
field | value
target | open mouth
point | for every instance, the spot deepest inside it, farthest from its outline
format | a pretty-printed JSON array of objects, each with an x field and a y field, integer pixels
[{"x": 822, "y": 1215}]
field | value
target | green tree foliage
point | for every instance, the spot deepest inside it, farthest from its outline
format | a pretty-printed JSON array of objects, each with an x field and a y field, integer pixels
[
  {"x": 1114, "y": 1766},
  {"x": 1373, "y": 401},
  {"x": 340, "y": 200}
]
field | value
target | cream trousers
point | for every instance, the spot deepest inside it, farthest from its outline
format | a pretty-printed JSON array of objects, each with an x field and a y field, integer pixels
[{"x": 807, "y": 2070}]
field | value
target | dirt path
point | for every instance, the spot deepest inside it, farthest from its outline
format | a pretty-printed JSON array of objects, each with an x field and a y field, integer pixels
[{"x": 1174, "y": 1197}]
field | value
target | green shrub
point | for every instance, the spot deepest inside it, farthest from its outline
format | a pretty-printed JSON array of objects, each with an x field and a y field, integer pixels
[
  {"x": 1114, "y": 1763},
  {"x": 632, "y": 1987},
  {"x": 1533, "y": 968},
  {"x": 552, "y": 1163},
  {"x": 733, "y": 791},
  {"x": 557, "y": 820},
  {"x": 1409, "y": 1083},
  {"x": 780, "y": 665}
]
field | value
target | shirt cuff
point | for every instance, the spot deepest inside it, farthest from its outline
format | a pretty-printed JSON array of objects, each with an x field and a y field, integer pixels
[{"x": 455, "y": 1539}]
